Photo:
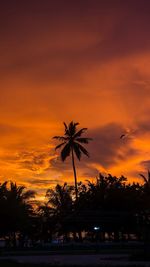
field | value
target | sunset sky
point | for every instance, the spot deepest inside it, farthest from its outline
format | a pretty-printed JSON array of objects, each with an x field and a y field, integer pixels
[{"x": 87, "y": 61}]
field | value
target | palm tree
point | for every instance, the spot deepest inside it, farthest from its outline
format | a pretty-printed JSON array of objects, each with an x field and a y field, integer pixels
[
  {"x": 60, "y": 198},
  {"x": 61, "y": 204},
  {"x": 146, "y": 179},
  {"x": 18, "y": 209},
  {"x": 71, "y": 145}
]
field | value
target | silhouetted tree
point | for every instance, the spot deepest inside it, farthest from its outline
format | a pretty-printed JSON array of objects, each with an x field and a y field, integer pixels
[
  {"x": 146, "y": 180},
  {"x": 145, "y": 210},
  {"x": 60, "y": 201},
  {"x": 47, "y": 220},
  {"x": 15, "y": 208},
  {"x": 117, "y": 207},
  {"x": 71, "y": 144},
  {"x": 110, "y": 203},
  {"x": 3, "y": 209}
]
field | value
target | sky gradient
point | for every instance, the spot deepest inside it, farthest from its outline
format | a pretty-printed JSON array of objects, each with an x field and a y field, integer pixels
[{"x": 87, "y": 61}]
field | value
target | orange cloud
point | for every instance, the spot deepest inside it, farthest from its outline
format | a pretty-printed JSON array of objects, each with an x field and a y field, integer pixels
[{"x": 87, "y": 62}]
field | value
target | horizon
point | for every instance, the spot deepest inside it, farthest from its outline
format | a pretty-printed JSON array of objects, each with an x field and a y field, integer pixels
[{"x": 87, "y": 62}]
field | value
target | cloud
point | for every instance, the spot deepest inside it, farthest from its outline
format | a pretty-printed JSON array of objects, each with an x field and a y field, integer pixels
[
  {"x": 106, "y": 144},
  {"x": 106, "y": 150},
  {"x": 36, "y": 161},
  {"x": 146, "y": 164},
  {"x": 53, "y": 44},
  {"x": 44, "y": 182},
  {"x": 74, "y": 60}
]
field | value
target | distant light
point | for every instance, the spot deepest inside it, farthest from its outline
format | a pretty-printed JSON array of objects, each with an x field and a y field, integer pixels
[{"x": 96, "y": 228}]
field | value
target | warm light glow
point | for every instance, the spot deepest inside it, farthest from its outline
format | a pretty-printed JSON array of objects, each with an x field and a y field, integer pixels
[{"x": 89, "y": 62}]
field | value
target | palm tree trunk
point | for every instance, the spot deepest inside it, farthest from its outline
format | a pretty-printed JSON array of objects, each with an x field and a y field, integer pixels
[{"x": 75, "y": 174}]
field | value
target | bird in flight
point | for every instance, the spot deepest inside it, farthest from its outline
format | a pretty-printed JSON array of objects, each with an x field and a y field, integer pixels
[
  {"x": 122, "y": 136},
  {"x": 128, "y": 133}
]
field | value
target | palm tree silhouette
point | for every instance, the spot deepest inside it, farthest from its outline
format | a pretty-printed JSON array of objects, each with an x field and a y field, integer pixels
[
  {"x": 16, "y": 210},
  {"x": 71, "y": 144},
  {"x": 146, "y": 179}
]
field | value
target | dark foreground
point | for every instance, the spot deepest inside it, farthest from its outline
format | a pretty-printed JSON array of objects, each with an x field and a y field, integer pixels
[
  {"x": 6, "y": 263},
  {"x": 104, "y": 255},
  {"x": 106, "y": 260}
]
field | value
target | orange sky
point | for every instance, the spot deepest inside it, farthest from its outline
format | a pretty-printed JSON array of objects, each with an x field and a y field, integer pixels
[{"x": 87, "y": 61}]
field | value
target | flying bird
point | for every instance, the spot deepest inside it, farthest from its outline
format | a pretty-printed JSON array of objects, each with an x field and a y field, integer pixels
[
  {"x": 122, "y": 136},
  {"x": 129, "y": 133}
]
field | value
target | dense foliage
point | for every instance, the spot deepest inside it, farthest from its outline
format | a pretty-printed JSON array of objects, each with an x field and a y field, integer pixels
[{"x": 109, "y": 208}]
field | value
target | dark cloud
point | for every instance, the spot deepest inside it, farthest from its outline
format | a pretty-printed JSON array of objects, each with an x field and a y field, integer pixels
[
  {"x": 57, "y": 164},
  {"x": 146, "y": 164},
  {"x": 105, "y": 149},
  {"x": 116, "y": 27},
  {"x": 106, "y": 143},
  {"x": 143, "y": 126}
]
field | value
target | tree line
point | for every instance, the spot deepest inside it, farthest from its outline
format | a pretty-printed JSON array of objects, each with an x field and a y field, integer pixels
[{"x": 108, "y": 208}]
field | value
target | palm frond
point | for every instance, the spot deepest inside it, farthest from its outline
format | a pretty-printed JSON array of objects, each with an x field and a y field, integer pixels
[
  {"x": 66, "y": 129},
  {"x": 72, "y": 128},
  {"x": 144, "y": 178},
  {"x": 20, "y": 190},
  {"x": 60, "y": 145},
  {"x": 3, "y": 186},
  {"x": 65, "y": 152},
  {"x": 148, "y": 176},
  {"x": 65, "y": 125},
  {"x": 83, "y": 140},
  {"x": 60, "y": 138},
  {"x": 77, "y": 150},
  {"x": 76, "y": 123},
  {"x": 84, "y": 151},
  {"x": 80, "y": 132}
]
